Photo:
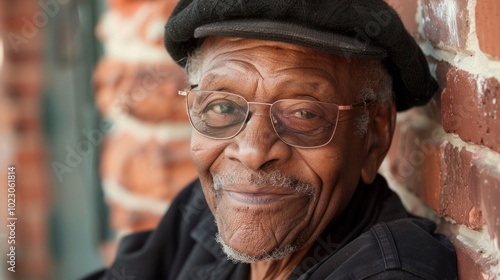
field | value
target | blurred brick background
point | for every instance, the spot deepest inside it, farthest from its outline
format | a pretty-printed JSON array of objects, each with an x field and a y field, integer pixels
[
  {"x": 145, "y": 161},
  {"x": 145, "y": 154},
  {"x": 444, "y": 162},
  {"x": 445, "y": 157},
  {"x": 22, "y": 141}
]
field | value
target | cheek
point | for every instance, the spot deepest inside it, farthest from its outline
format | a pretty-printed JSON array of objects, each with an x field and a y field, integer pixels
[
  {"x": 326, "y": 164},
  {"x": 205, "y": 152},
  {"x": 338, "y": 168},
  {"x": 342, "y": 157}
]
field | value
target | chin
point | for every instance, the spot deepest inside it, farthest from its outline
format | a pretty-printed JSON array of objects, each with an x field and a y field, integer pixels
[{"x": 241, "y": 257}]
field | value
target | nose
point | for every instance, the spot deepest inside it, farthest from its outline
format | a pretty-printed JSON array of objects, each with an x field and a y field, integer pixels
[{"x": 258, "y": 145}]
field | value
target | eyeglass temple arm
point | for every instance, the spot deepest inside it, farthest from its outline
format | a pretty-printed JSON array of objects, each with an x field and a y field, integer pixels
[
  {"x": 354, "y": 106},
  {"x": 184, "y": 92}
]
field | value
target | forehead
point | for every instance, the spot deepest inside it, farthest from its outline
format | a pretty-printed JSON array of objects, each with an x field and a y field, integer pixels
[
  {"x": 217, "y": 48},
  {"x": 272, "y": 63}
]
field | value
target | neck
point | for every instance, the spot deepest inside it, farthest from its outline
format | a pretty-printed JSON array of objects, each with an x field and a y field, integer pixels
[{"x": 279, "y": 270}]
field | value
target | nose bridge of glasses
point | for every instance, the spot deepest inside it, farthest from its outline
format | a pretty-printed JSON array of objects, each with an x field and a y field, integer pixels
[{"x": 259, "y": 112}]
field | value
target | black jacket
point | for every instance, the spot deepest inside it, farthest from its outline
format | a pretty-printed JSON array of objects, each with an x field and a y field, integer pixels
[{"x": 373, "y": 239}]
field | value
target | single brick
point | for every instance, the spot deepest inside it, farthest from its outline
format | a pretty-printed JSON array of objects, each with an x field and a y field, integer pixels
[
  {"x": 460, "y": 199},
  {"x": 470, "y": 108},
  {"x": 446, "y": 23},
  {"x": 488, "y": 26}
]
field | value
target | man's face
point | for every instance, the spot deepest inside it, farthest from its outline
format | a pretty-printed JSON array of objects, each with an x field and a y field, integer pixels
[{"x": 267, "y": 195}]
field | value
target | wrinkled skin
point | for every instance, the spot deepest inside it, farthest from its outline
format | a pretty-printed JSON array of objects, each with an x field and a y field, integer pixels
[{"x": 265, "y": 71}]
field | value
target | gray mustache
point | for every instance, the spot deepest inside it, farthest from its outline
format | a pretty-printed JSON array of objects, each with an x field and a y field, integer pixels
[{"x": 274, "y": 179}]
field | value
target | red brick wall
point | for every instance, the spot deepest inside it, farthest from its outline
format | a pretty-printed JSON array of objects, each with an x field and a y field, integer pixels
[
  {"x": 21, "y": 139},
  {"x": 445, "y": 157},
  {"x": 145, "y": 157}
]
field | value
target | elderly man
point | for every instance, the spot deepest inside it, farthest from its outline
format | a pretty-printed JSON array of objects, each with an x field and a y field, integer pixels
[{"x": 293, "y": 105}]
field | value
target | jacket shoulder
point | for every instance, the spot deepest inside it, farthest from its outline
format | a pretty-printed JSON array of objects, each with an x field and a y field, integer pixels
[{"x": 402, "y": 249}]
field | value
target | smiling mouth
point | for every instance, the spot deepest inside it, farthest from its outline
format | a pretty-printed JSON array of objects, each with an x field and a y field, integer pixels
[{"x": 258, "y": 198}]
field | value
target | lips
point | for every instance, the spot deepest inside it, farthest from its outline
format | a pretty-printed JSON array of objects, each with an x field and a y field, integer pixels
[{"x": 258, "y": 198}]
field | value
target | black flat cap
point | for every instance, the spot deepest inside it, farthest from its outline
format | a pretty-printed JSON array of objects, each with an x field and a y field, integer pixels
[{"x": 368, "y": 29}]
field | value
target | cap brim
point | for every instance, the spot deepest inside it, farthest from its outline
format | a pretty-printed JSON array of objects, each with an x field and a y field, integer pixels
[{"x": 291, "y": 33}]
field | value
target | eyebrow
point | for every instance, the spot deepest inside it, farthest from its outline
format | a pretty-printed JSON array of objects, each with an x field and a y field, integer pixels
[
  {"x": 207, "y": 79},
  {"x": 236, "y": 66},
  {"x": 316, "y": 86}
]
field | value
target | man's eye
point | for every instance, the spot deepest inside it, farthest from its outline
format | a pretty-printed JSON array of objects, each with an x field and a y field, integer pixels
[
  {"x": 304, "y": 114},
  {"x": 222, "y": 108},
  {"x": 222, "y": 114}
]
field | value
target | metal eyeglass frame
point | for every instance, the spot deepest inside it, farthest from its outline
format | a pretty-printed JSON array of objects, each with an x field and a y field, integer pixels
[{"x": 185, "y": 93}]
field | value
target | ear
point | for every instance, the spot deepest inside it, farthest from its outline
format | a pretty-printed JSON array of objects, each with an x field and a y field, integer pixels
[{"x": 378, "y": 138}]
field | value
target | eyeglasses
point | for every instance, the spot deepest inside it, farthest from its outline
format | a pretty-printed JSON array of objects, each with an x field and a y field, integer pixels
[{"x": 299, "y": 123}]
